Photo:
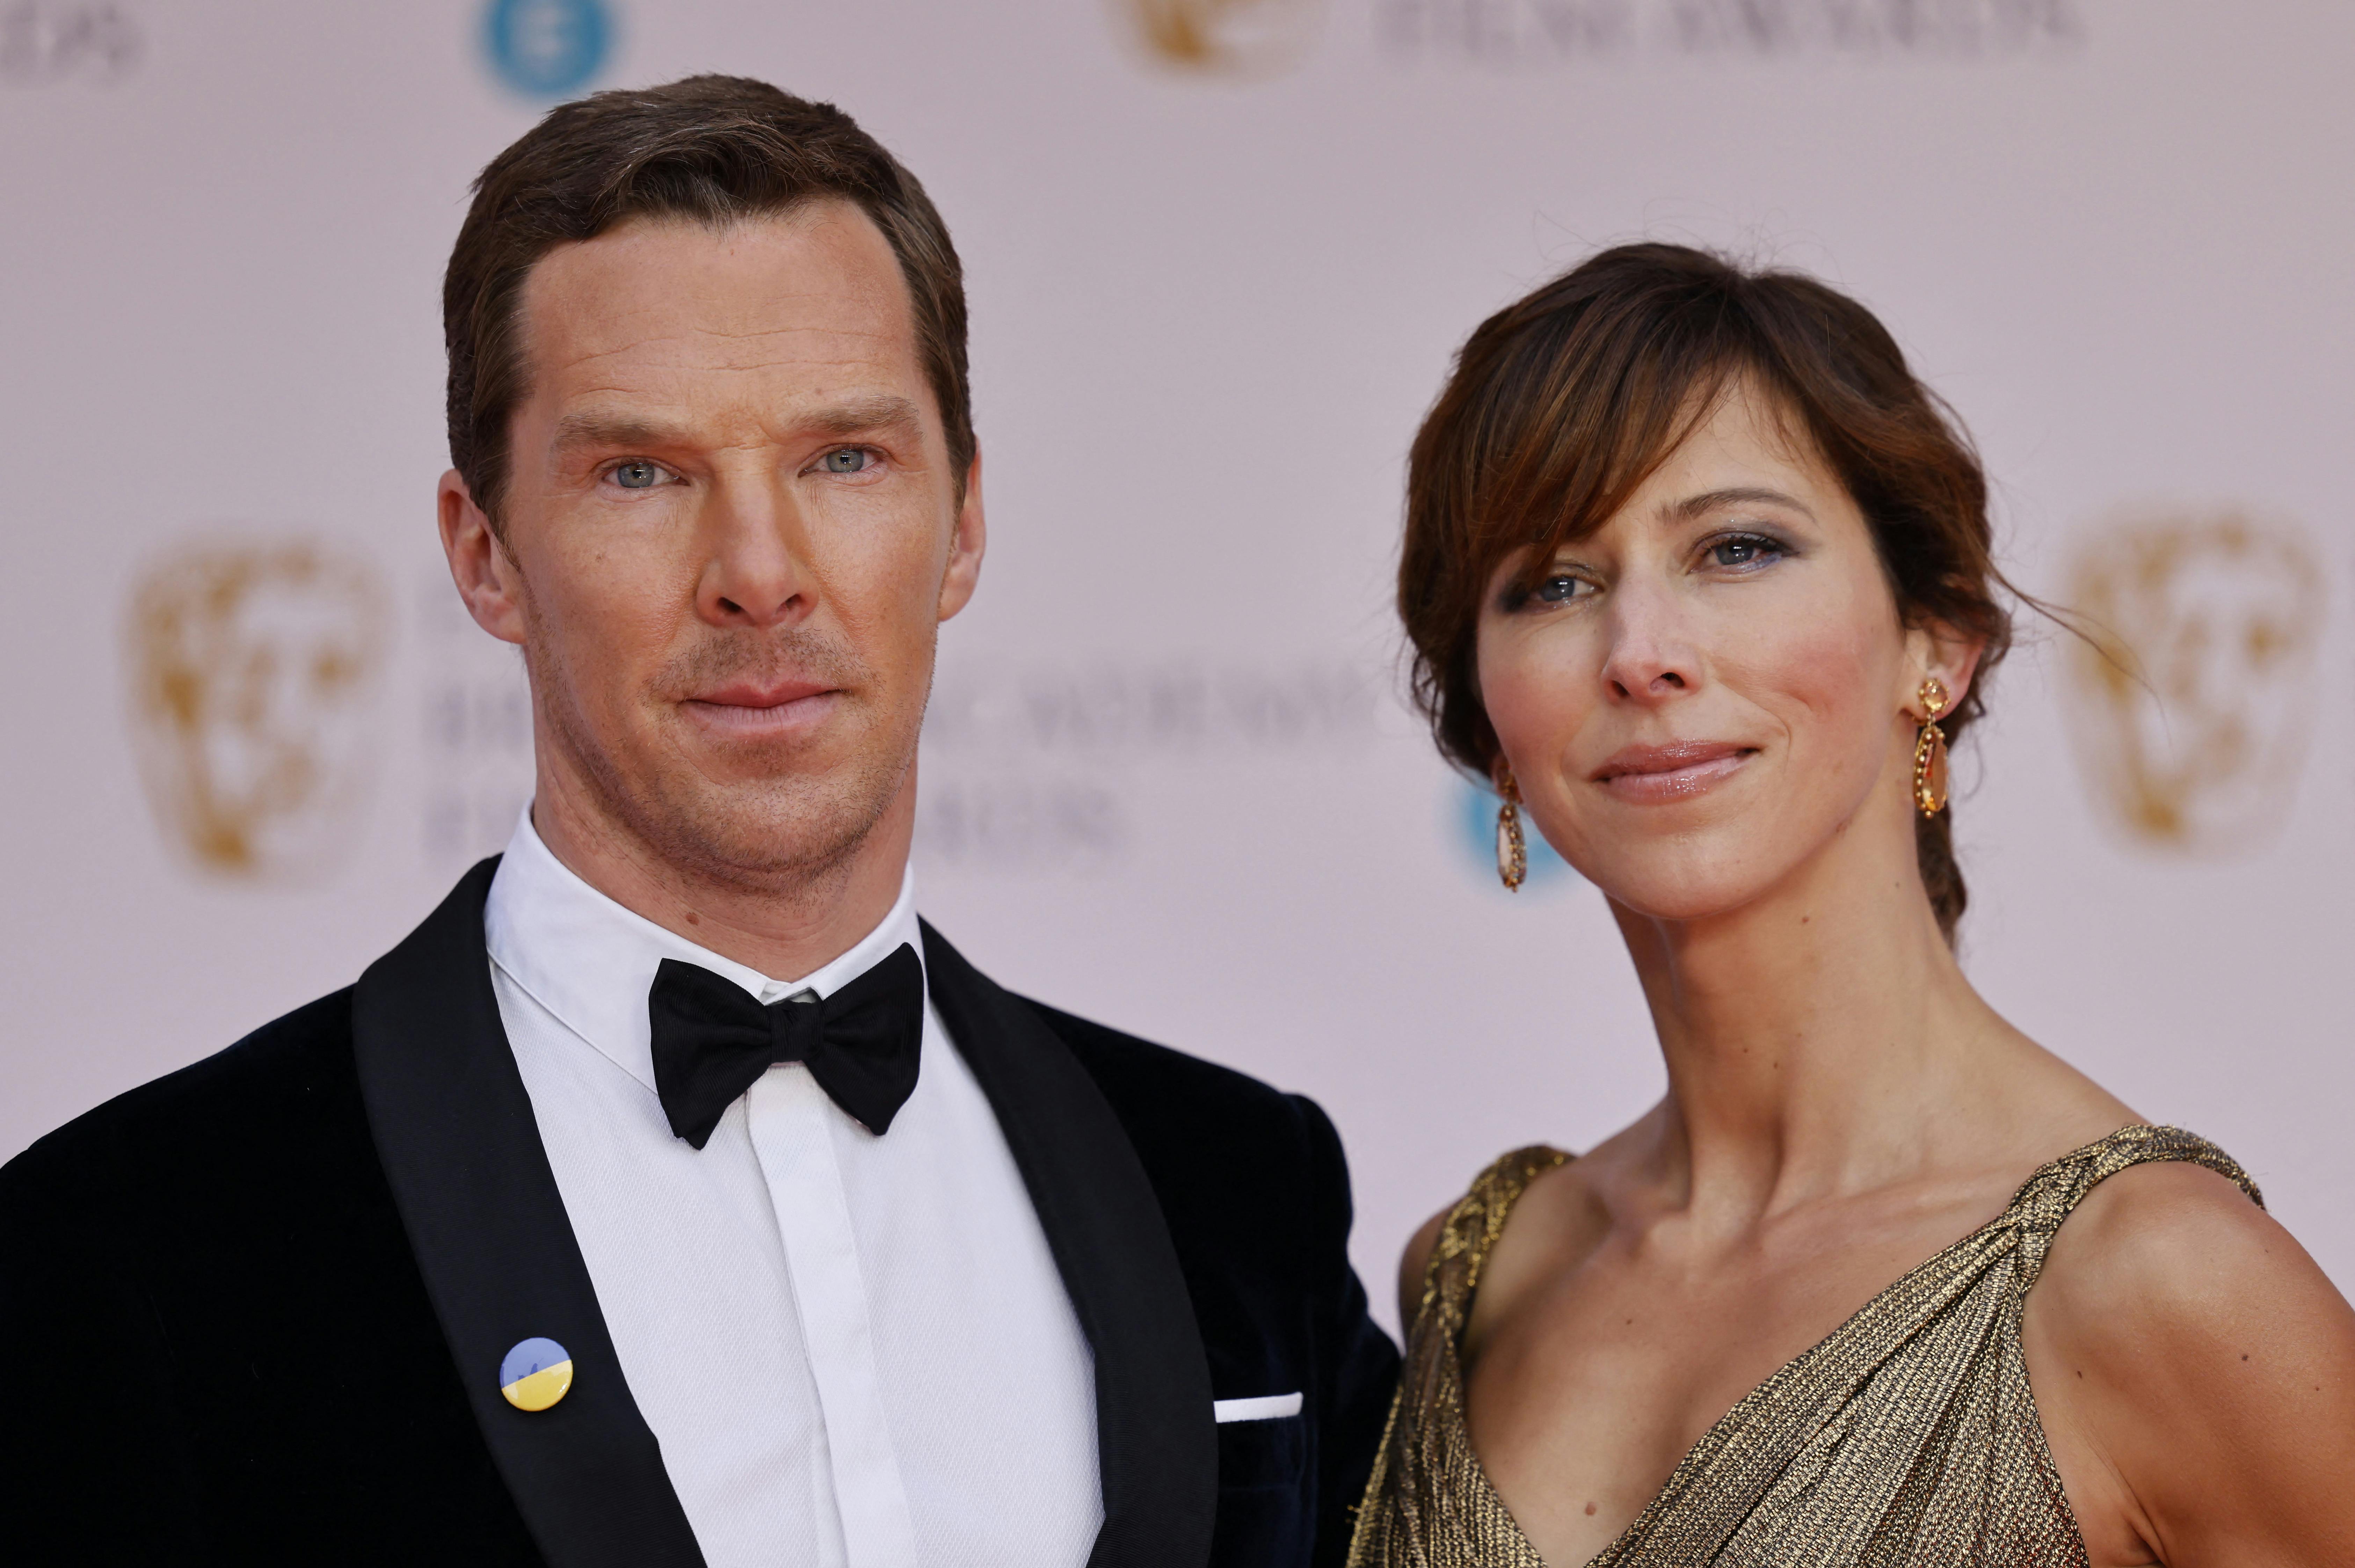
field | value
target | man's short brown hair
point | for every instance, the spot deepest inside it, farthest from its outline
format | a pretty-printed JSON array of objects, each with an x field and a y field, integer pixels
[{"x": 713, "y": 149}]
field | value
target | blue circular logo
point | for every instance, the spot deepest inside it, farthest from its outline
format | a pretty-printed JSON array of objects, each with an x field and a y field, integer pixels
[
  {"x": 1476, "y": 815},
  {"x": 546, "y": 48}
]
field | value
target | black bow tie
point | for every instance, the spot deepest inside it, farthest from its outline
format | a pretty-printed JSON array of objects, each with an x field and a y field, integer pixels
[{"x": 712, "y": 1039}]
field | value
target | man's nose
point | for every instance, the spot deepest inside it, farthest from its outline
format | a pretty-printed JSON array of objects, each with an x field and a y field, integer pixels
[
  {"x": 757, "y": 571},
  {"x": 1653, "y": 655}
]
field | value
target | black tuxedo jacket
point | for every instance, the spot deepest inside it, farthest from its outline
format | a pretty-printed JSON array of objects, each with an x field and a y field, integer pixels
[{"x": 254, "y": 1311}]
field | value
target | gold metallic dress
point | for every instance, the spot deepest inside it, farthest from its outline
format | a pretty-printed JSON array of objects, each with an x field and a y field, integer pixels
[{"x": 1907, "y": 1437}]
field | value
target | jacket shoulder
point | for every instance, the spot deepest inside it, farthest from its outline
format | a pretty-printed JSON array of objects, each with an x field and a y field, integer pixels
[
  {"x": 1142, "y": 1079},
  {"x": 241, "y": 1092},
  {"x": 1209, "y": 1136}
]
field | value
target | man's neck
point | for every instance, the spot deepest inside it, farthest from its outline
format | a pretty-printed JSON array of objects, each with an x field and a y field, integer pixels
[{"x": 783, "y": 925}]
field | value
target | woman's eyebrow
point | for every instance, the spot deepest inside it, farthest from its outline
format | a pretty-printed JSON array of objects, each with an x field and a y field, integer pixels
[{"x": 1693, "y": 507}]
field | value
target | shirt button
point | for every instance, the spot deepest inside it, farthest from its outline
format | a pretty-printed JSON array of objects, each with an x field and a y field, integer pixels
[{"x": 536, "y": 1374}]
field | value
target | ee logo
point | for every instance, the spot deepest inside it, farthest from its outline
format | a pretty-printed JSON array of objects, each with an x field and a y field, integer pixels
[{"x": 546, "y": 48}]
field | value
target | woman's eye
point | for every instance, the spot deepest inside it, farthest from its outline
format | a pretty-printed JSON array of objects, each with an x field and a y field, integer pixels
[
  {"x": 1557, "y": 591},
  {"x": 637, "y": 475},
  {"x": 1744, "y": 550},
  {"x": 846, "y": 460}
]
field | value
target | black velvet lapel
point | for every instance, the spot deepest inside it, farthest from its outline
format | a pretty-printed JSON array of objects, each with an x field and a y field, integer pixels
[
  {"x": 454, "y": 1129},
  {"x": 1156, "y": 1444}
]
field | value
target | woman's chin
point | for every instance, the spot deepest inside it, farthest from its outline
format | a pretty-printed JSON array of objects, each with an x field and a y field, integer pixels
[{"x": 1682, "y": 896}]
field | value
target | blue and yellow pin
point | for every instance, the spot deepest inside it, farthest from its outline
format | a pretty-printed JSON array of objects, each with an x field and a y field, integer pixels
[{"x": 536, "y": 1374}]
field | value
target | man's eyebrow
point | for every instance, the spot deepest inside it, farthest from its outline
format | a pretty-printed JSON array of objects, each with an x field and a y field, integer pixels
[
  {"x": 597, "y": 432},
  {"x": 881, "y": 411},
  {"x": 1693, "y": 507}
]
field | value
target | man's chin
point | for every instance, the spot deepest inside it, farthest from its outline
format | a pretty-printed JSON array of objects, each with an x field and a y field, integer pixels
[
  {"x": 761, "y": 804},
  {"x": 760, "y": 833}
]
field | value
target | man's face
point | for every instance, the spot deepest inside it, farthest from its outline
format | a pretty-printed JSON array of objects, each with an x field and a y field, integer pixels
[{"x": 730, "y": 534}]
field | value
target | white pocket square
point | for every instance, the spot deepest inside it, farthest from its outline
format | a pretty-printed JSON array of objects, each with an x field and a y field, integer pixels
[{"x": 1267, "y": 1407}]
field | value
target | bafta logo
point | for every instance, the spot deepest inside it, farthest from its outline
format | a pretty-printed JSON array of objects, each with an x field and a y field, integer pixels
[
  {"x": 252, "y": 663},
  {"x": 2193, "y": 702},
  {"x": 1225, "y": 37}
]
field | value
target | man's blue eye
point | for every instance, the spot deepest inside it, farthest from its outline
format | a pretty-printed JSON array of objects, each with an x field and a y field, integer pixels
[
  {"x": 848, "y": 460},
  {"x": 637, "y": 475}
]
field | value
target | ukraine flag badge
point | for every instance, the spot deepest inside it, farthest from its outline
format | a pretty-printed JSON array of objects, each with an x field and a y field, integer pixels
[{"x": 536, "y": 1374}]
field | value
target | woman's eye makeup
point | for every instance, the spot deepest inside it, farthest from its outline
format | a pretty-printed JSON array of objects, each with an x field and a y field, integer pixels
[
  {"x": 1549, "y": 592},
  {"x": 1736, "y": 550},
  {"x": 1744, "y": 550}
]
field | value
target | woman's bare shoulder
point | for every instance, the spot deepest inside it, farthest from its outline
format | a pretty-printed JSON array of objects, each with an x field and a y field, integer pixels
[
  {"x": 2185, "y": 1344},
  {"x": 1559, "y": 1206},
  {"x": 2169, "y": 1245},
  {"x": 1415, "y": 1263}
]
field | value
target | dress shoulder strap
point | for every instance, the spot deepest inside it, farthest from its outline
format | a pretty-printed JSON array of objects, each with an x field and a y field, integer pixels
[
  {"x": 2052, "y": 1194},
  {"x": 1469, "y": 1231}
]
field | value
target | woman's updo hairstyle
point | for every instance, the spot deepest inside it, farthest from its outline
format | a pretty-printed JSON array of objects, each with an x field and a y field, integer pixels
[{"x": 1561, "y": 404}]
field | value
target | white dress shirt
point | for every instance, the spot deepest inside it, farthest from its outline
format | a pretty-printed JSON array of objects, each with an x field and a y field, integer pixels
[{"x": 854, "y": 1350}]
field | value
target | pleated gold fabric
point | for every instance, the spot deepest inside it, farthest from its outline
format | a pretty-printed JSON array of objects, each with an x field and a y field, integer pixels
[{"x": 1907, "y": 1437}]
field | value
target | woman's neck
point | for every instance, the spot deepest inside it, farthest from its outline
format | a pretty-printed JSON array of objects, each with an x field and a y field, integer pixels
[{"x": 1821, "y": 1041}]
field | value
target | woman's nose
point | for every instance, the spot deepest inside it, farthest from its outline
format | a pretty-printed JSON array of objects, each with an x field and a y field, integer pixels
[{"x": 1652, "y": 655}]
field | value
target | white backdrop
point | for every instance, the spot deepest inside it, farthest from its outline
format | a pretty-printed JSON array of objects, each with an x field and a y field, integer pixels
[{"x": 1219, "y": 254}]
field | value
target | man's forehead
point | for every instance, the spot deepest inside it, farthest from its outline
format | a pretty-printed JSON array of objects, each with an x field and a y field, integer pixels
[{"x": 813, "y": 288}]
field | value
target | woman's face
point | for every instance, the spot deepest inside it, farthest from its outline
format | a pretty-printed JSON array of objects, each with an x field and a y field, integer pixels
[{"x": 1713, "y": 688}]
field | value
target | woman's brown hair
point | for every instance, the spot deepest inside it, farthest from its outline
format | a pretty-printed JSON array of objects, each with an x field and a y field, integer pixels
[{"x": 1563, "y": 403}]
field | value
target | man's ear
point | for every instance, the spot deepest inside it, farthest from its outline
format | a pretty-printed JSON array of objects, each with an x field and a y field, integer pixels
[
  {"x": 1936, "y": 651},
  {"x": 966, "y": 543},
  {"x": 479, "y": 563}
]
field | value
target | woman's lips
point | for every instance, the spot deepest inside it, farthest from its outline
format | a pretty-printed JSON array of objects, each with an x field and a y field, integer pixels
[
  {"x": 745, "y": 710},
  {"x": 1645, "y": 775}
]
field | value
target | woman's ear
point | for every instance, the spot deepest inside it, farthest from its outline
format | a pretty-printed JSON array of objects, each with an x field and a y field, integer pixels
[{"x": 1936, "y": 651}]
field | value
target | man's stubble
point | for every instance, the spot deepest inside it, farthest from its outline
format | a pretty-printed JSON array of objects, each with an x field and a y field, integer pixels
[{"x": 786, "y": 829}]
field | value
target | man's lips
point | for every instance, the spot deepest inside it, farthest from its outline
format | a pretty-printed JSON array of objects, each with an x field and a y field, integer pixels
[
  {"x": 746, "y": 708},
  {"x": 1678, "y": 771}
]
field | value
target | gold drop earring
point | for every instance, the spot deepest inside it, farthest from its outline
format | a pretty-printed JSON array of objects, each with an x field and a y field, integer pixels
[
  {"x": 1930, "y": 751},
  {"x": 1512, "y": 849}
]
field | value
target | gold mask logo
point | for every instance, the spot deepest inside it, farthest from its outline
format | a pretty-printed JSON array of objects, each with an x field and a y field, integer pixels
[
  {"x": 1225, "y": 37},
  {"x": 252, "y": 663},
  {"x": 2191, "y": 708}
]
